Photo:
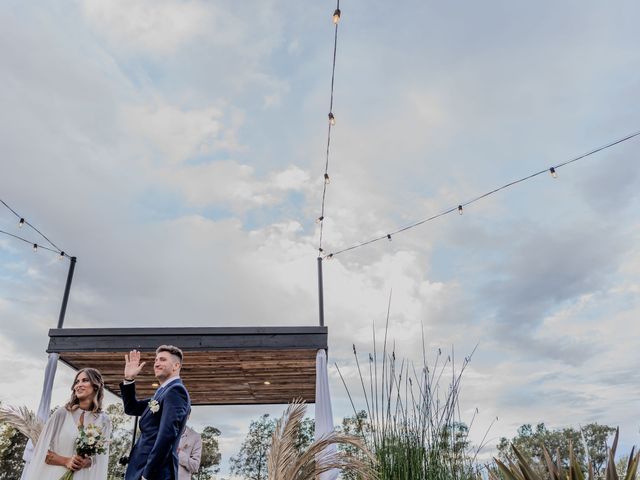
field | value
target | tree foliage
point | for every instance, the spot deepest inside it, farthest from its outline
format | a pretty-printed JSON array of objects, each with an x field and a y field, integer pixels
[
  {"x": 12, "y": 444},
  {"x": 357, "y": 425},
  {"x": 251, "y": 461},
  {"x": 589, "y": 445},
  {"x": 121, "y": 433},
  {"x": 210, "y": 458}
]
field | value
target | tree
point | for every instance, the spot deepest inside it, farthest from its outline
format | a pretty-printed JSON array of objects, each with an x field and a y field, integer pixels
[
  {"x": 251, "y": 460},
  {"x": 12, "y": 444},
  {"x": 210, "y": 458},
  {"x": 589, "y": 442},
  {"x": 595, "y": 438},
  {"x": 120, "y": 445},
  {"x": 356, "y": 425}
]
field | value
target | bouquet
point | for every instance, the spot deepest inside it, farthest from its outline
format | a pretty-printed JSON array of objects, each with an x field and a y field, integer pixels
[{"x": 89, "y": 443}]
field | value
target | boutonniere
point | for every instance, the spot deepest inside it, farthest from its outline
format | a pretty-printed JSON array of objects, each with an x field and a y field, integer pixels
[{"x": 154, "y": 406}]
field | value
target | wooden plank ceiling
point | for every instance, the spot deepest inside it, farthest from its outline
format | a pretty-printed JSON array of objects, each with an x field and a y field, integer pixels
[{"x": 269, "y": 366}]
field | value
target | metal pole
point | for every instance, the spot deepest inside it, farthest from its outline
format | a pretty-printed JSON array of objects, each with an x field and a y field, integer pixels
[
  {"x": 320, "y": 292},
  {"x": 50, "y": 372},
  {"x": 67, "y": 288}
]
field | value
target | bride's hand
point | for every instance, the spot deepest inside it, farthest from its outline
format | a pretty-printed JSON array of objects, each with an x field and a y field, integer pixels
[
  {"x": 74, "y": 463},
  {"x": 53, "y": 458},
  {"x": 86, "y": 462}
]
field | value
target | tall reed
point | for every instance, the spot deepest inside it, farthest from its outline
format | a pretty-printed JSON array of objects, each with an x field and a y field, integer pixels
[{"x": 413, "y": 425}]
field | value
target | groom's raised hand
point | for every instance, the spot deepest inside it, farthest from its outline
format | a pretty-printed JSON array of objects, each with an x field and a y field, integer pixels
[{"x": 132, "y": 365}]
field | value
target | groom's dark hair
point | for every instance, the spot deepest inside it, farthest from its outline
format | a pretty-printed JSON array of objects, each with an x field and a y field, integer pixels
[{"x": 172, "y": 350}]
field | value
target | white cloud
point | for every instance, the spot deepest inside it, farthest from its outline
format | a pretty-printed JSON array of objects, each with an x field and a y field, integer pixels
[
  {"x": 149, "y": 26},
  {"x": 176, "y": 134},
  {"x": 231, "y": 185},
  {"x": 127, "y": 150}
]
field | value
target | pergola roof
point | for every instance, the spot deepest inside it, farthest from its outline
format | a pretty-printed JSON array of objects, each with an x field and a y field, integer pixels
[{"x": 222, "y": 366}]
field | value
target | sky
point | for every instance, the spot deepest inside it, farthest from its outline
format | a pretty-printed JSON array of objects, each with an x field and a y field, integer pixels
[{"x": 177, "y": 149}]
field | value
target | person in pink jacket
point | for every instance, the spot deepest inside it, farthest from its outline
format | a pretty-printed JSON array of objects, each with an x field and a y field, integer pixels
[{"x": 189, "y": 452}]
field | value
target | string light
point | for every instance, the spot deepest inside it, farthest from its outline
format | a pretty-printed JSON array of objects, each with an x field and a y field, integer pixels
[
  {"x": 336, "y": 16},
  {"x": 389, "y": 237},
  {"x": 332, "y": 122},
  {"x": 22, "y": 222},
  {"x": 319, "y": 219},
  {"x": 553, "y": 173},
  {"x": 459, "y": 208},
  {"x": 34, "y": 245}
]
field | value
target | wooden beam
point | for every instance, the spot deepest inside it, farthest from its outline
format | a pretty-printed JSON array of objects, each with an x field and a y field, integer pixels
[{"x": 222, "y": 366}]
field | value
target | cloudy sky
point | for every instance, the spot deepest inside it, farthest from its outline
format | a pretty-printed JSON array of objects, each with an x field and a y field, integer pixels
[{"x": 176, "y": 148}]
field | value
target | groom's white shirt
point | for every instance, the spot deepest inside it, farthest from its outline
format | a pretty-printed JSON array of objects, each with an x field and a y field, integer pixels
[{"x": 168, "y": 381}]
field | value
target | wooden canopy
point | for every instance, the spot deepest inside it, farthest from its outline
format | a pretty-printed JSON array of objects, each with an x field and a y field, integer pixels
[{"x": 222, "y": 366}]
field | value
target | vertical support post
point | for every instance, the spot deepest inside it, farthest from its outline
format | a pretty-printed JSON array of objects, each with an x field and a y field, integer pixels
[
  {"x": 50, "y": 372},
  {"x": 320, "y": 292},
  {"x": 67, "y": 289}
]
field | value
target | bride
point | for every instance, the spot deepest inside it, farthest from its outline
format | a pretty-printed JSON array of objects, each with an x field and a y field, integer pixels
[{"x": 54, "y": 453}]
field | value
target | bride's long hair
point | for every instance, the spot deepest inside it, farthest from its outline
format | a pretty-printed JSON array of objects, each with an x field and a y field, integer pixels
[{"x": 95, "y": 377}]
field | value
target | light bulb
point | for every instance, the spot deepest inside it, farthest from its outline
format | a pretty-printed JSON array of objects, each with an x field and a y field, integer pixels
[
  {"x": 389, "y": 236},
  {"x": 327, "y": 181},
  {"x": 460, "y": 209},
  {"x": 61, "y": 256},
  {"x": 330, "y": 256},
  {"x": 319, "y": 219},
  {"x": 267, "y": 382},
  {"x": 336, "y": 16},
  {"x": 35, "y": 247},
  {"x": 21, "y": 223},
  {"x": 332, "y": 119},
  {"x": 553, "y": 173}
]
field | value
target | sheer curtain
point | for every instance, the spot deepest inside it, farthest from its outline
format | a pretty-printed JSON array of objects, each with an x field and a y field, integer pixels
[
  {"x": 45, "y": 404},
  {"x": 324, "y": 414}
]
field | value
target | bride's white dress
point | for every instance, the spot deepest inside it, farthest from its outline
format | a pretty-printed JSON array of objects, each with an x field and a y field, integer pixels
[{"x": 59, "y": 436}]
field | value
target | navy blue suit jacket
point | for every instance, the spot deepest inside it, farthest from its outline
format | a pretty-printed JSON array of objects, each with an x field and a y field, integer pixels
[{"x": 155, "y": 455}]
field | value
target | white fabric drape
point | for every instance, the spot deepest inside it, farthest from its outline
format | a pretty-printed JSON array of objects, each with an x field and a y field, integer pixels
[
  {"x": 45, "y": 404},
  {"x": 324, "y": 414}
]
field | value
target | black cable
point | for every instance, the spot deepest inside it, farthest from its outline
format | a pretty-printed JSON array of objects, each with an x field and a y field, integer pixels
[
  {"x": 331, "y": 117},
  {"x": 26, "y": 222},
  {"x": 33, "y": 243},
  {"x": 484, "y": 195}
]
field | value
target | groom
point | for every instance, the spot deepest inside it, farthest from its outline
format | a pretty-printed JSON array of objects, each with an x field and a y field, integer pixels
[{"x": 162, "y": 417}]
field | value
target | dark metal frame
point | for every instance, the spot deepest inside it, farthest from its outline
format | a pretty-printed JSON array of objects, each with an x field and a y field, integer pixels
[{"x": 189, "y": 338}]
